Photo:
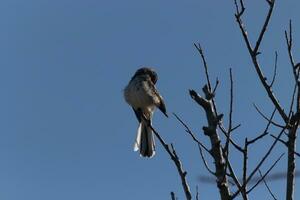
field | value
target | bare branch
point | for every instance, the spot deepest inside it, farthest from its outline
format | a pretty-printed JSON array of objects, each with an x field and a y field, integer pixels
[
  {"x": 238, "y": 11},
  {"x": 275, "y": 69},
  {"x": 289, "y": 43},
  {"x": 173, "y": 196},
  {"x": 199, "y": 49},
  {"x": 226, "y": 148},
  {"x": 233, "y": 176},
  {"x": 204, "y": 161},
  {"x": 264, "y": 28},
  {"x": 240, "y": 149},
  {"x": 216, "y": 86},
  {"x": 294, "y": 122},
  {"x": 280, "y": 140},
  {"x": 265, "y": 132},
  {"x": 286, "y": 144},
  {"x": 216, "y": 148},
  {"x": 254, "y": 53},
  {"x": 260, "y": 163},
  {"x": 293, "y": 100},
  {"x": 237, "y": 126},
  {"x": 268, "y": 171},
  {"x": 245, "y": 166},
  {"x": 231, "y": 103},
  {"x": 271, "y": 193},
  {"x": 209, "y": 93},
  {"x": 291, "y": 164},
  {"x": 189, "y": 131},
  {"x": 266, "y": 118},
  {"x": 258, "y": 137},
  {"x": 174, "y": 157}
]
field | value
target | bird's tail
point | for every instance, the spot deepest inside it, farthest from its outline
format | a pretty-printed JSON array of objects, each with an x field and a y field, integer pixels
[{"x": 144, "y": 140}]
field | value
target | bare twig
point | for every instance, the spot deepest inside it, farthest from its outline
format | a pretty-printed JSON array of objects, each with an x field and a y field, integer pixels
[
  {"x": 174, "y": 157},
  {"x": 245, "y": 166},
  {"x": 234, "y": 128},
  {"x": 173, "y": 196},
  {"x": 271, "y": 177},
  {"x": 233, "y": 176},
  {"x": 275, "y": 69},
  {"x": 265, "y": 182},
  {"x": 226, "y": 148},
  {"x": 268, "y": 171},
  {"x": 240, "y": 149},
  {"x": 197, "y": 193},
  {"x": 260, "y": 163},
  {"x": 289, "y": 43},
  {"x": 264, "y": 28},
  {"x": 204, "y": 161},
  {"x": 189, "y": 131},
  {"x": 294, "y": 119},
  {"x": 199, "y": 49},
  {"x": 258, "y": 137},
  {"x": 280, "y": 140},
  {"x": 209, "y": 94},
  {"x": 293, "y": 100},
  {"x": 286, "y": 144},
  {"x": 265, "y": 132},
  {"x": 254, "y": 52},
  {"x": 216, "y": 151},
  {"x": 291, "y": 164},
  {"x": 216, "y": 86},
  {"x": 230, "y": 110},
  {"x": 266, "y": 118},
  {"x": 238, "y": 11}
]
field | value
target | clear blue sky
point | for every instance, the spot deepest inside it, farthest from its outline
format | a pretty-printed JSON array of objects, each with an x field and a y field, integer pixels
[{"x": 66, "y": 132}]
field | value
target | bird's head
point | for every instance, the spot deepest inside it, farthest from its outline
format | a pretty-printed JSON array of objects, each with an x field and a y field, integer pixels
[{"x": 147, "y": 71}]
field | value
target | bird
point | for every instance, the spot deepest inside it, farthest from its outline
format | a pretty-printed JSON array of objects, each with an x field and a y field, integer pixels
[{"x": 142, "y": 95}]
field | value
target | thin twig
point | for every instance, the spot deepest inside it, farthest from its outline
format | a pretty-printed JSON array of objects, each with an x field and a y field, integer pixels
[
  {"x": 173, "y": 196},
  {"x": 264, "y": 28},
  {"x": 275, "y": 69},
  {"x": 265, "y": 132},
  {"x": 226, "y": 148},
  {"x": 245, "y": 166},
  {"x": 286, "y": 144},
  {"x": 266, "y": 118},
  {"x": 280, "y": 140},
  {"x": 199, "y": 48},
  {"x": 189, "y": 131},
  {"x": 197, "y": 193},
  {"x": 174, "y": 157},
  {"x": 268, "y": 171},
  {"x": 204, "y": 161},
  {"x": 216, "y": 86},
  {"x": 293, "y": 100},
  {"x": 270, "y": 191},
  {"x": 210, "y": 92},
  {"x": 233, "y": 176},
  {"x": 240, "y": 149},
  {"x": 216, "y": 147},
  {"x": 254, "y": 52},
  {"x": 260, "y": 163},
  {"x": 294, "y": 119}
]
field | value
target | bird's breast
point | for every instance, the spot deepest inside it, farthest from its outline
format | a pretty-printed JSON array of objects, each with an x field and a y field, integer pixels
[{"x": 137, "y": 94}]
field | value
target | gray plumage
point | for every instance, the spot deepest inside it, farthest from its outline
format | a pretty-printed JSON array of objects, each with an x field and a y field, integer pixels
[{"x": 142, "y": 95}]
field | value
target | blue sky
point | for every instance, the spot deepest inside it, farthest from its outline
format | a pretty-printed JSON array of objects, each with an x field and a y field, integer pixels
[{"x": 66, "y": 132}]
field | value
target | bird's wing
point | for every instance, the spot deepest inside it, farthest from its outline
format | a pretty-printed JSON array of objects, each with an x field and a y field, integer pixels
[
  {"x": 158, "y": 100},
  {"x": 162, "y": 106},
  {"x": 137, "y": 114}
]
